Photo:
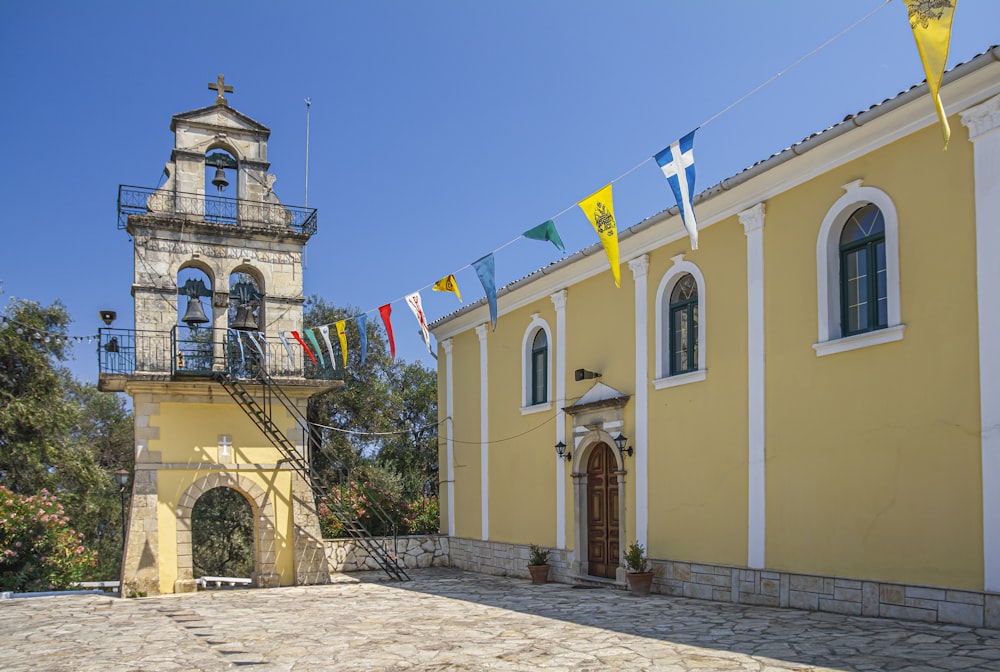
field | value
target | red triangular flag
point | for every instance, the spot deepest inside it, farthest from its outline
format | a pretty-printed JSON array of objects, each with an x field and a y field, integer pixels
[
  {"x": 385, "y": 311},
  {"x": 304, "y": 346}
]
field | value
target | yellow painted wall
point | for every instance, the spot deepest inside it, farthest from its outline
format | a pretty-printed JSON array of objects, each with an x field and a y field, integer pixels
[
  {"x": 698, "y": 431},
  {"x": 872, "y": 456},
  {"x": 873, "y": 465},
  {"x": 600, "y": 337},
  {"x": 522, "y": 469},
  {"x": 188, "y": 435},
  {"x": 468, "y": 502}
]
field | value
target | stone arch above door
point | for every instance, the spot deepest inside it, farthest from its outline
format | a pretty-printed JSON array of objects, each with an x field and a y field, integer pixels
[{"x": 263, "y": 513}]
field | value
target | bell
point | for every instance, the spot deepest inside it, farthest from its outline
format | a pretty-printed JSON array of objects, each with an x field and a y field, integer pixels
[
  {"x": 244, "y": 319},
  {"x": 195, "y": 313},
  {"x": 220, "y": 180}
]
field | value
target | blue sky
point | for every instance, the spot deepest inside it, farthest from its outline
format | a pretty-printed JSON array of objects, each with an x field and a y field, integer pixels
[{"x": 440, "y": 130}]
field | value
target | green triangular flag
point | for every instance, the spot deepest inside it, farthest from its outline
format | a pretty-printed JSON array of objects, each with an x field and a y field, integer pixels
[{"x": 546, "y": 231}]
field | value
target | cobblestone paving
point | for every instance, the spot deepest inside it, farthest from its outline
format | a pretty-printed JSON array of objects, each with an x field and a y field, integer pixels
[{"x": 450, "y": 620}]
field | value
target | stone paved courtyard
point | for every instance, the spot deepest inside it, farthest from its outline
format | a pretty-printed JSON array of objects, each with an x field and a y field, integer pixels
[{"x": 450, "y": 620}]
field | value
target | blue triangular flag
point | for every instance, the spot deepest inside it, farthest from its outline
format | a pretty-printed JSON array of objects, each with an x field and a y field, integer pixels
[
  {"x": 362, "y": 322},
  {"x": 486, "y": 271}
]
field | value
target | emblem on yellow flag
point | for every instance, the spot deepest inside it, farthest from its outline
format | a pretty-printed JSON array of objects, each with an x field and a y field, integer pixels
[
  {"x": 931, "y": 24},
  {"x": 447, "y": 284},
  {"x": 600, "y": 210}
]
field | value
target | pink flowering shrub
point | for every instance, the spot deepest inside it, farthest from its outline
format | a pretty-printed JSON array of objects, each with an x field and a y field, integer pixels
[{"x": 38, "y": 549}]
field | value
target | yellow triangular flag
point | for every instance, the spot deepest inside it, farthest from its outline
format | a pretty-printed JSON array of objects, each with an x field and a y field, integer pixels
[
  {"x": 931, "y": 24},
  {"x": 601, "y": 213},
  {"x": 447, "y": 284},
  {"x": 342, "y": 335}
]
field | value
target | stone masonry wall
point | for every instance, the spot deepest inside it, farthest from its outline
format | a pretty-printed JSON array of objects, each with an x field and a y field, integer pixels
[
  {"x": 502, "y": 559},
  {"x": 343, "y": 555},
  {"x": 740, "y": 585}
]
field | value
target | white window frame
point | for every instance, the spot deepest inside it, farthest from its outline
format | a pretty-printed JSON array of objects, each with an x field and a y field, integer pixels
[
  {"x": 831, "y": 339},
  {"x": 537, "y": 324},
  {"x": 663, "y": 378}
]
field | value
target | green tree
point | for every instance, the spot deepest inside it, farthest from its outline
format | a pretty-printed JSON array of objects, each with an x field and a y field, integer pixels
[
  {"x": 106, "y": 427},
  {"x": 380, "y": 433},
  {"x": 59, "y": 435}
]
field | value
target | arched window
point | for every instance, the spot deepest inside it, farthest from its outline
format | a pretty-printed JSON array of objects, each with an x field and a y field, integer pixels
[
  {"x": 536, "y": 366},
  {"x": 864, "y": 300},
  {"x": 684, "y": 326},
  {"x": 857, "y": 272},
  {"x": 539, "y": 368},
  {"x": 680, "y": 326}
]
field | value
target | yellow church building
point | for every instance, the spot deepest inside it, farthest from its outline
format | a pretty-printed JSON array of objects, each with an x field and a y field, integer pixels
[{"x": 806, "y": 407}]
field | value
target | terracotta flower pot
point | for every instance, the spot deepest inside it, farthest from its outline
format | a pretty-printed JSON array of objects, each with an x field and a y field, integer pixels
[
  {"x": 640, "y": 582},
  {"x": 539, "y": 573}
]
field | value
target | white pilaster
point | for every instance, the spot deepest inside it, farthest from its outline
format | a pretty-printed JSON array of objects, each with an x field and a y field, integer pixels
[
  {"x": 559, "y": 301},
  {"x": 484, "y": 431},
  {"x": 640, "y": 269},
  {"x": 753, "y": 226},
  {"x": 449, "y": 395},
  {"x": 983, "y": 122}
]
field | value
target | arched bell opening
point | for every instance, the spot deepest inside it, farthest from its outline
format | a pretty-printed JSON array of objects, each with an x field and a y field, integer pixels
[
  {"x": 192, "y": 338},
  {"x": 246, "y": 300},
  {"x": 222, "y": 535},
  {"x": 221, "y": 173}
]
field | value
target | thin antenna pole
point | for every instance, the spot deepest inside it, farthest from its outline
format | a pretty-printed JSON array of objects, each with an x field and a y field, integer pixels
[{"x": 308, "y": 107}]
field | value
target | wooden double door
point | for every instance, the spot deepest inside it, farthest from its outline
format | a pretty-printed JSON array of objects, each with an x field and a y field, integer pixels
[{"x": 602, "y": 512}]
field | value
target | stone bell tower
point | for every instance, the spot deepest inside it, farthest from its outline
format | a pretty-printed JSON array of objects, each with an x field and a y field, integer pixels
[{"x": 219, "y": 400}]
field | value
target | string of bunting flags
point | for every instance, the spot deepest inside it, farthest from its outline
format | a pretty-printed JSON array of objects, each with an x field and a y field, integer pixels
[
  {"x": 930, "y": 21},
  {"x": 41, "y": 334}
]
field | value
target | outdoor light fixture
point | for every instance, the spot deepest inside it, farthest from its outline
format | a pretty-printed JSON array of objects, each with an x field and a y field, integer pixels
[
  {"x": 620, "y": 441},
  {"x": 108, "y": 316},
  {"x": 584, "y": 374},
  {"x": 561, "y": 451}
]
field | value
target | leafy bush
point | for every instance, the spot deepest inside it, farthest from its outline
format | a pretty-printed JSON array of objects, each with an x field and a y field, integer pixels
[
  {"x": 38, "y": 549},
  {"x": 424, "y": 516},
  {"x": 382, "y": 514}
]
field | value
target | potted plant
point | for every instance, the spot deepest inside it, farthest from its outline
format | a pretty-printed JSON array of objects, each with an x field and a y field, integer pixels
[
  {"x": 538, "y": 563},
  {"x": 639, "y": 580}
]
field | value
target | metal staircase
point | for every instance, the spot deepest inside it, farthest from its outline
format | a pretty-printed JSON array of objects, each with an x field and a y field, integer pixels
[{"x": 258, "y": 409}]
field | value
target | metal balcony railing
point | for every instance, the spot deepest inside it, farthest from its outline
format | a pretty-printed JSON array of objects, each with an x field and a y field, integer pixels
[
  {"x": 214, "y": 209},
  {"x": 203, "y": 351}
]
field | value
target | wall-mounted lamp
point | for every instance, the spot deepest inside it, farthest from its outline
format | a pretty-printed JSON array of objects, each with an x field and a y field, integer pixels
[
  {"x": 561, "y": 451},
  {"x": 584, "y": 374},
  {"x": 620, "y": 441}
]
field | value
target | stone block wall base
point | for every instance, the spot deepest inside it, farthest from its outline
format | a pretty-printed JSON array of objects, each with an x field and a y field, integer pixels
[
  {"x": 185, "y": 586},
  {"x": 267, "y": 580},
  {"x": 313, "y": 579},
  {"x": 502, "y": 559},
  {"x": 761, "y": 587},
  {"x": 140, "y": 588}
]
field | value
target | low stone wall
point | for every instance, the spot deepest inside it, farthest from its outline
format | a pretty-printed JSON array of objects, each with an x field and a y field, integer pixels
[
  {"x": 502, "y": 559},
  {"x": 740, "y": 585},
  {"x": 344, "y": 555},
  {"x": 824, "y": 593}
]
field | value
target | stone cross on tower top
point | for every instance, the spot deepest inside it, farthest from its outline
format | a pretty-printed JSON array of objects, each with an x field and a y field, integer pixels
[{"x": 221, "y": 90}]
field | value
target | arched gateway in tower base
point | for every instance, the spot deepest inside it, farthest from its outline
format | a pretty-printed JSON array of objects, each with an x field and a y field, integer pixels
[{"x": 218, "y": 400}]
